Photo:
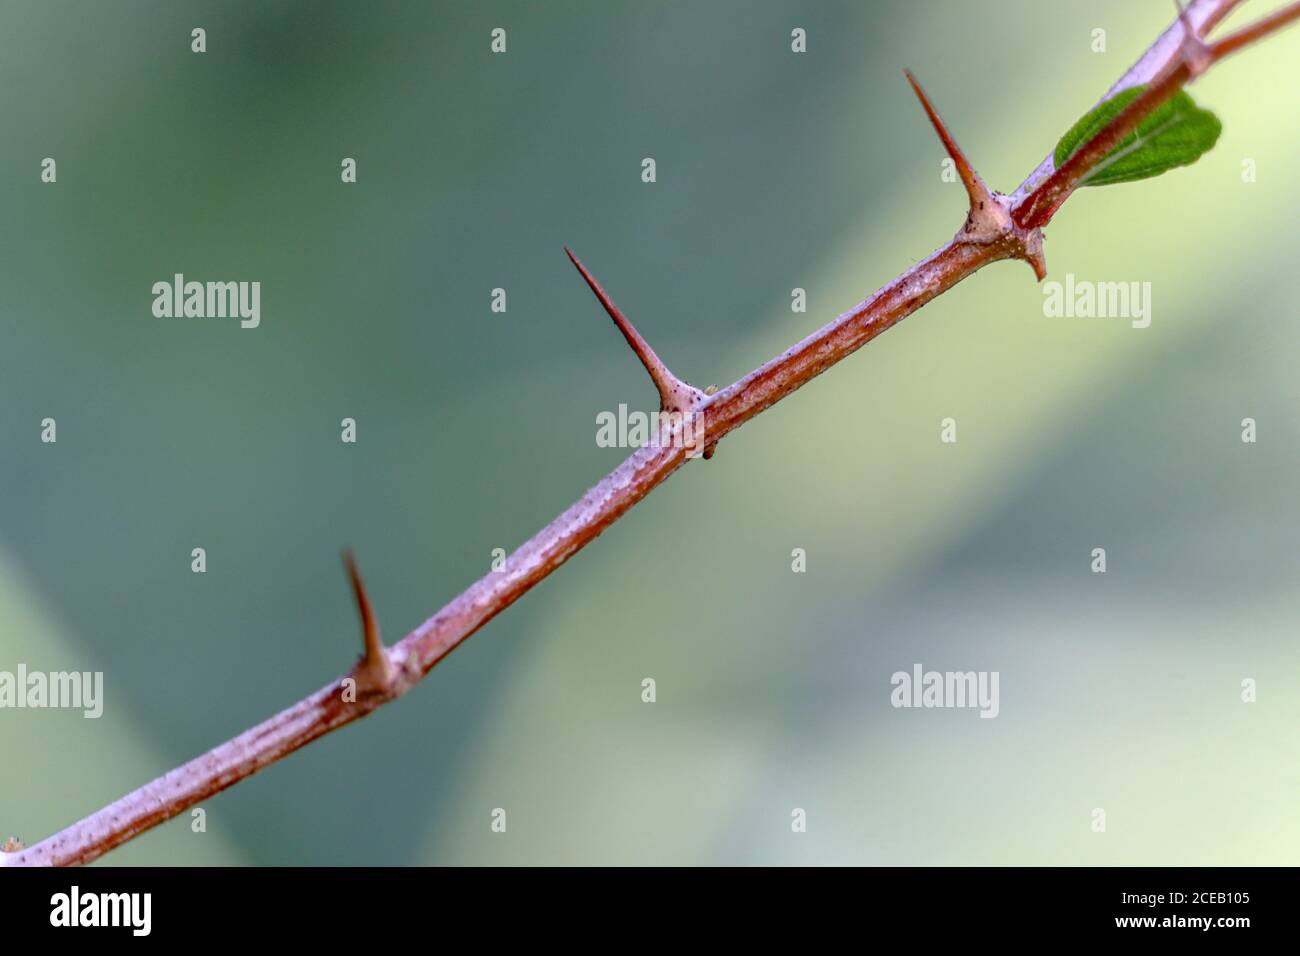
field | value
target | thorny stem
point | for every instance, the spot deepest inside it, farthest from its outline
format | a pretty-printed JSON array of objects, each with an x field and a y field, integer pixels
[
  {"x": 383, "y": 675},
  {"x": 989, "y": 218}
]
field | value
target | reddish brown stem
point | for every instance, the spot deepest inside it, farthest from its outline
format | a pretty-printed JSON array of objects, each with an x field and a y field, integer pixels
[
  {"x": 407, "y": 661},
  {"x": 1256, "y": 31},
  {"x": 417, "y": 653}
]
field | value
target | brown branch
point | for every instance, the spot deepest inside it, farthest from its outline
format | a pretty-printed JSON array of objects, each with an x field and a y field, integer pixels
[{"x": 383, "y": 675}]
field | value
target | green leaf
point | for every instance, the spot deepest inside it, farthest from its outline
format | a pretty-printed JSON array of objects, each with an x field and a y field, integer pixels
[{"x": 1175, "y": 134}]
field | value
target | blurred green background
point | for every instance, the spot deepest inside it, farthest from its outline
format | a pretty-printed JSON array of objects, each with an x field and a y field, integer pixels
[{"x": 775, "y": 170}]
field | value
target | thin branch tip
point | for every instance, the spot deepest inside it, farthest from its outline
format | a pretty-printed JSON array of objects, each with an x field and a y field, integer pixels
[
  {"x": 675, "y": 395},
  {"x": 1256, "y": 31},
  {"x": 1193, "y": 57}
]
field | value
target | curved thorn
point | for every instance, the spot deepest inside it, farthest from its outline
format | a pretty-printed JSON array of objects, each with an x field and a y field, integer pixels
[{"x": 975, "y": 188}]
